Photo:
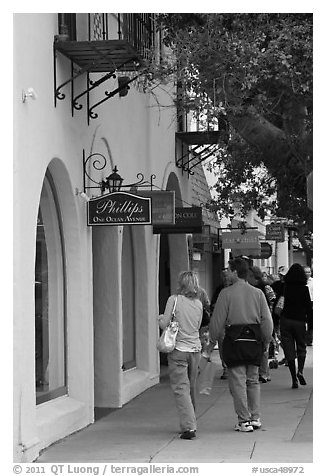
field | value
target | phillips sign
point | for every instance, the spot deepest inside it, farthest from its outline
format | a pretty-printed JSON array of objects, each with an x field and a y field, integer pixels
[{"x": 119, "y": 208}]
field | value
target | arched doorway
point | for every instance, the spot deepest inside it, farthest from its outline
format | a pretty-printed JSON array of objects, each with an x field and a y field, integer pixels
[{"x": 50, "y": 292}]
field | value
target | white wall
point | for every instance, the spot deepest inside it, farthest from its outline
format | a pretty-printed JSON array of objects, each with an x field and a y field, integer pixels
[{"x": 135, "y": 135}]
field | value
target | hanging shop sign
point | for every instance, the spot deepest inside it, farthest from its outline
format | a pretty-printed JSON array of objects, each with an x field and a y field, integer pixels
[
  {"x": 119, "y": 208},
  {"x": 275, "y": 231},
  {"x": 187, "y": 220},
  {"x": 203, "y": 237},
  {"x": 238, "y": 240},
  {"x": 264, "y": 251},
  {"x": 163, "y": 206}
]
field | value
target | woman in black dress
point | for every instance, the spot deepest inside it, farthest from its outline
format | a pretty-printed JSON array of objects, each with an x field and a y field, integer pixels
[{"x": 297, "y": 311}]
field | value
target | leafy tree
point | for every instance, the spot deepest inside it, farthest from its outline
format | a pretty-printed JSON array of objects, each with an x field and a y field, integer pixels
[{"x": 251, "y": 72}]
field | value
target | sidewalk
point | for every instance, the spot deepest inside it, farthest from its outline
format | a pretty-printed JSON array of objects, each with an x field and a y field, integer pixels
[{"x": 146, "y": 429}]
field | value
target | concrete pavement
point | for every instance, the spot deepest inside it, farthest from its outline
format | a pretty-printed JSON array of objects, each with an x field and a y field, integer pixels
[{"x": 146, "y": 429}]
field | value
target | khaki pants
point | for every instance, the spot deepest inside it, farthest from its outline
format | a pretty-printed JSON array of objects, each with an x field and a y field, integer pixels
[
  {"x": 183, "y": 369},
  {"x": 245, "y": 390}
]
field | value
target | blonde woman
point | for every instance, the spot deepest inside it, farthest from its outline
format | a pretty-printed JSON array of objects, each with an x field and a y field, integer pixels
[{"x": 183, "y": 361}]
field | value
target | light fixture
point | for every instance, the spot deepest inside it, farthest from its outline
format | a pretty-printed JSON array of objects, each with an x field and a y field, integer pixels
[
  {"x": 113, "y": 182},
  {"x": 82, "y": 195},
  {"x": 30, "y": 93}
]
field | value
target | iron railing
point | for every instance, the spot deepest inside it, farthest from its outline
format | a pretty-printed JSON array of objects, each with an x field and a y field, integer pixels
[{"x": 136, "y": 28}]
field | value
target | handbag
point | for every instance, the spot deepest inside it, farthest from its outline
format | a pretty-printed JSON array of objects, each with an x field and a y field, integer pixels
[
  {"x": 166, "y": 342},
  {"x": 242, "y": 344}
]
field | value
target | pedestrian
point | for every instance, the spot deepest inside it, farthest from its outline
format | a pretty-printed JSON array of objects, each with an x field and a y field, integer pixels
[
  {"x": 278, "y": 288},
  {"x": 255, "y": 278},
  {"x": 225, "y": 281},
  {"x": 183, "y": 361},
  {"x": 309, "y": 335},
  {"x": 206, "y": 370},
  {"x": 203, "y": 297},
  {"x": 241, "y": 310},
  {"x": 297, "y": 311}
]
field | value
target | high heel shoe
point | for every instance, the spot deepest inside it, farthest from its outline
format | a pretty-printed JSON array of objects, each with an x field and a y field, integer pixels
[
  {"x": 295, "y": 384},
  {"x": 301, "y": 379}
]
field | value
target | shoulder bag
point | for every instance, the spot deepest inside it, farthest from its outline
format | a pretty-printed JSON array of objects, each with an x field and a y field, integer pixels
[
  {"x": 166, "y": 342},
  {"x": 242, "y": 344}
]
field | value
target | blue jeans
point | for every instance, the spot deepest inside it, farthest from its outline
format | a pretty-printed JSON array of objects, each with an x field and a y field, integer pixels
[
  {"x": 245, "y": 390},
  {"x": 183, "y": 370}
]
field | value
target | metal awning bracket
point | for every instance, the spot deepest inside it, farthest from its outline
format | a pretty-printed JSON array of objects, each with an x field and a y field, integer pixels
[
  {"x": 103, "y": 62},
  {"x": 91, "y": 114}
]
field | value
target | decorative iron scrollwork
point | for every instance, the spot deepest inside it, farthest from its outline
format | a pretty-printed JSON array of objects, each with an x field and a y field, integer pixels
[
  {"x": 98, "y": 161},
  {"x": 98, "y": 164}
]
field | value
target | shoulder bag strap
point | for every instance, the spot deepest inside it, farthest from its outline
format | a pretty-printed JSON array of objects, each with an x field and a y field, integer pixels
[{"x": 173, "y": 310}]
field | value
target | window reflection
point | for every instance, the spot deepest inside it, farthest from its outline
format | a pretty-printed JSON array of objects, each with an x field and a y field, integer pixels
[
  {"x": 41, "y": 309},
  {"x": 50, "y": 367}
]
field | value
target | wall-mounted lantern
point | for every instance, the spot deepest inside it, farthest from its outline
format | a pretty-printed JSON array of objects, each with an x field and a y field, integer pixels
[{"x": 113, "y": 182}]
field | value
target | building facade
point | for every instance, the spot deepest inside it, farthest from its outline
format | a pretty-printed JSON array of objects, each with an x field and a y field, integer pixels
[{"x": 86, "y": 298}]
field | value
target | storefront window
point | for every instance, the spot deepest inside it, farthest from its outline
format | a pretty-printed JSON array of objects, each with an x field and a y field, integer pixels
[
  {"x": 50, "y": 366},
  {"x": 128, "y": 300}
]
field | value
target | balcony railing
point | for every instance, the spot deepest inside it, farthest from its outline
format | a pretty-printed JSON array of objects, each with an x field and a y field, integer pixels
[{"x": 138, "y": 29}]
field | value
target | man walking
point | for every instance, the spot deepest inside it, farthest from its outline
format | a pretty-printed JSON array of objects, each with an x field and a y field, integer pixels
[{"x": 242, "y": 314}]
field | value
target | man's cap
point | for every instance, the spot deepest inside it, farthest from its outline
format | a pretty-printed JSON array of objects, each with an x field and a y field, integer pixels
[{"x": 283, "y": 270}]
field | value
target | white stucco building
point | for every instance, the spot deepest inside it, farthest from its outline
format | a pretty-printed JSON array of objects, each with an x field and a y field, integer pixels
[{"x": 85, "y": 298}]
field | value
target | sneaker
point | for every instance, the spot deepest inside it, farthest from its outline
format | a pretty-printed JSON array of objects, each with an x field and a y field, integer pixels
[
  {"x": 188, "y": 435},
  {"x": 206, "y": 391},
  {"x": 256, "y": 424},
  {"x": 262, "y": 379},
  {"x": 244, "y": 427}
]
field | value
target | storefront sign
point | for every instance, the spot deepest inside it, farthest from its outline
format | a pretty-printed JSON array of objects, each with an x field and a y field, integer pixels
[
  {"x": 187, "y": 220},
  {"x": 163, "y": 206},
  {"x": 265, "y": 251},
  {"x": 237, "y": 240},
  {"x": 119, "y": 208},
  {"x": 203, "y": 237},
  {"x": 275, "y": 231}
]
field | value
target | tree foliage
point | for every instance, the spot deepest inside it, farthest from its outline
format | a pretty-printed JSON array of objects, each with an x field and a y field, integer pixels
[{"x": 253, "y": 71}]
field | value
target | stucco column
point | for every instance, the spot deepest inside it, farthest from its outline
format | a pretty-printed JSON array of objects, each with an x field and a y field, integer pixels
[{"x": 107, "y": 316}]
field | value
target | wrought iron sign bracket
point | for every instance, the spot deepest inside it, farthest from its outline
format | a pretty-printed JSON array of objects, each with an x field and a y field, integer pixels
[{"x": 98, "y": 161}]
